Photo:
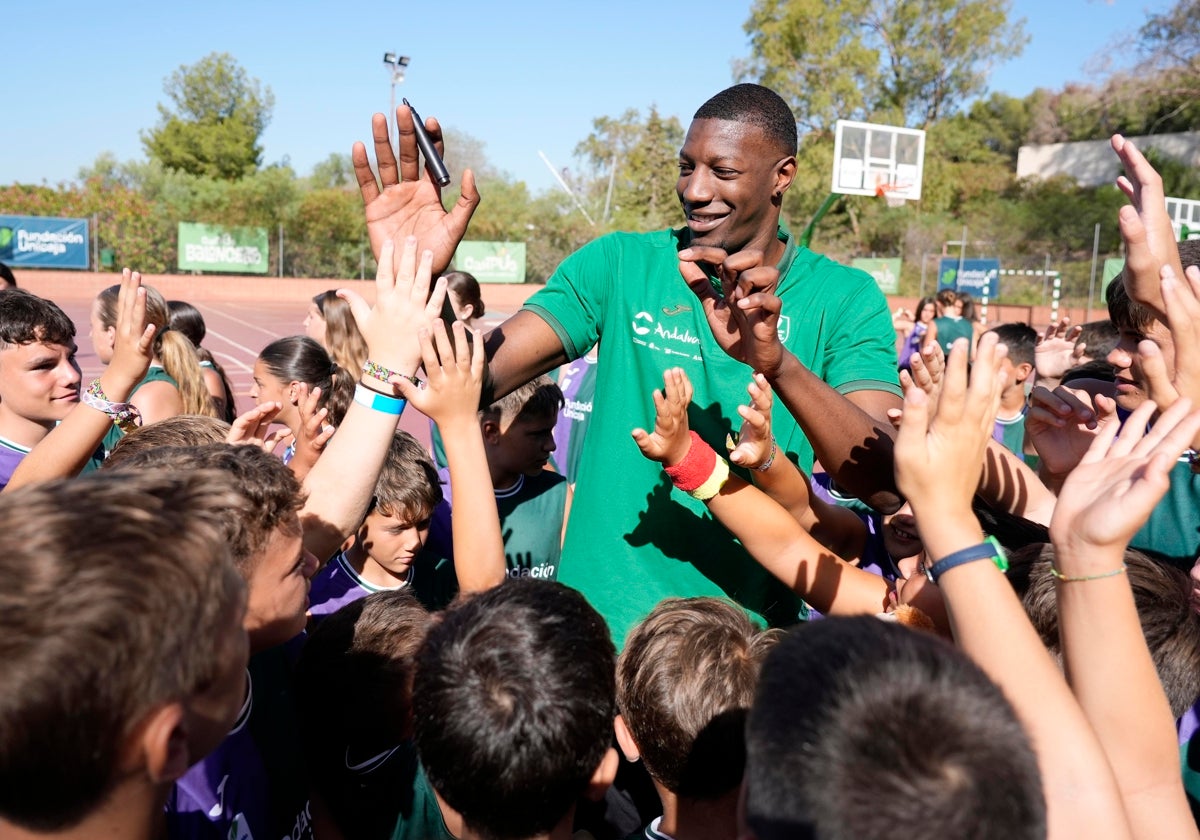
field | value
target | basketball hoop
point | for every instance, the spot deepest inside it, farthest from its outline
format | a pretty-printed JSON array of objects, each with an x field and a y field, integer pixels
[{"x": 893, "y": 194}]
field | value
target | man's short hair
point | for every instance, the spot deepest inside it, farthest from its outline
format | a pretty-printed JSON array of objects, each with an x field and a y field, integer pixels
[
  {"x": 180, "y": 430},
  {"x": 756, "y": 105},
  {"x": 26, "y": 318},
  {"x": 863, "y": 728},
  {"x": 353, "y": 691},
  {"x": 1020, "y": 339},
  {"x": 269, "y": 494},
  {"x": 115, "y": 588},
  {"x": 685, "y": 682},
  {"x": 1162, "y": 595},
  {"x": 408, "y": 484},
  {"x": 538, "y": 398},
  {"x": 513, "y": 705}
]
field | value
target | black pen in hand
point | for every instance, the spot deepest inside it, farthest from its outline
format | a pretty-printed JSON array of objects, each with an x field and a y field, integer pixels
[{"x": 433, "y": 160}]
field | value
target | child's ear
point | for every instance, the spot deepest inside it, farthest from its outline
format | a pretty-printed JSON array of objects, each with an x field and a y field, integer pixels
[
  {"x": 293, "y": 392},
  {"x": 161, "y": 744},
  {"x": 490, "y": 427},
  {"x": 1022, "y": 371},
  {"x": 625, "y": 739},
  {"x": 602, "y": 779}
]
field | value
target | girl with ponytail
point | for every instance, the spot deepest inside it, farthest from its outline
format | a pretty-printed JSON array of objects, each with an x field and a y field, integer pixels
[
  {"x": 174, "y": 384},
  {"x": 287, "y": 363}
]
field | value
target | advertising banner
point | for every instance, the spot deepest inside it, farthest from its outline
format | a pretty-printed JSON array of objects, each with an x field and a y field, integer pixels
[
  {"x": 885, "y": 271},
  {"x": 234, "y": 250},
  {"x": 44, "y": 242},
  {"x": 492, "y": 262},
  {"x": 979, "y": 277}
]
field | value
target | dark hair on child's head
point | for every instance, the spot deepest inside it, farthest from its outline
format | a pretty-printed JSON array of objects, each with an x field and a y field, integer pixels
[
  {"x": 353, "y": 692},
  {"x": 466, "y": 289},
  {"x": 408, "y": 486},
  {"x": 7, "y": 278},
  {"x": 946, "y": 297},
  {"x": 118, "y": 592},
  {"x": 188, "y": 320},
  {"x": 864, "y": 728},
  {"x": 968, "y": 306},
  {"x": 269, "y": 494},
  {"x": 1162, "y": 595},
  {"x": 1125, "y": 312},
  {"x": 26, "y": 318},
  {"x": 1098, "y": 339},
  {"x": 513, "y": 705},
  {"x": 685, "y": 682},
  {"x": 1020, "y": 339},
  {"x": 756, "y": 105},
  {"x": 538, "y": 398},
  {"x": 1098, "y": 369},
  {"x": 297, "y": 358}
]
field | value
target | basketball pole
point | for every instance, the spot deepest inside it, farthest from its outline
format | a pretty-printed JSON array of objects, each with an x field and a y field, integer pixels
[{"x": 826, "y": 206}]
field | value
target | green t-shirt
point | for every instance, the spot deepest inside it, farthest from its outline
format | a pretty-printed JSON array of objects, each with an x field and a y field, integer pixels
[
  {"x": 155, "y": 374},
  {"x": 423, "y": 818},
  {"x": 632, "y": 540},
  {"x": 1173, "y": 530},
  {"x": 950, "y": 330}
]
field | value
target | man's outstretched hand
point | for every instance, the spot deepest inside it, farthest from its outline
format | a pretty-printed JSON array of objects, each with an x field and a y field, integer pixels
[
  {"x": 744, "y": 318},
  {"x": 402, "y": 203}
]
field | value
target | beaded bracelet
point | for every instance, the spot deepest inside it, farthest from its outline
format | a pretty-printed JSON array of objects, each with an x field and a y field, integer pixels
[
  {"x": 1081, "y": 578},
  {"x": 766, "y": 465},
  {"x": 378, "y": 371},
  {"x": 124, "y": 415},
  {"x": 701, "y": 474}
]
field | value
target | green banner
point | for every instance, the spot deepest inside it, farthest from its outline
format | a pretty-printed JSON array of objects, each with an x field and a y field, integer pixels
[
  {"x": 492, "y": 262},
  {"x": 885, "y": 271},
  {"x": 1112, "y": 268},
  {"x": 233, "y": 250}
]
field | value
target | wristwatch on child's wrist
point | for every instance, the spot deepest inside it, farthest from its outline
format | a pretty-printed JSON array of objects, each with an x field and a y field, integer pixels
[{"x": 989, "y": 549}]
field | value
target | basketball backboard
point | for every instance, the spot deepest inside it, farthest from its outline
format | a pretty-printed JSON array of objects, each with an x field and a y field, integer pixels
[
  {"x": 1185, "y": 217},
  {"x": 870, "y": 158}
]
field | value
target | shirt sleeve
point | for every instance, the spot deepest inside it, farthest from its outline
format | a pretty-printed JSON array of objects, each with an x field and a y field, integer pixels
[
  {"x": 574, "y": 299},
  {"x": 861, "y": 352}
]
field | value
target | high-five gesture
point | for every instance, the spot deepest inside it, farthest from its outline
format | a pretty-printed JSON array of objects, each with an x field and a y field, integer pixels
[{"x": 401, "y": 202}]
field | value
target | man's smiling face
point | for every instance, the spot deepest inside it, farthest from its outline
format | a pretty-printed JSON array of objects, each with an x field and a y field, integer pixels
[{"x": 731, "y": 181}]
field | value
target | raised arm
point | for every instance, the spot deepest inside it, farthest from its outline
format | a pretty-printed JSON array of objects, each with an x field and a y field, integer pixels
[
  {"x": 340, "y": 484},
  {"x": 849, "y": 434},
  {"x": 1145, "y": 227},
  {"x": 451, "y": 399},
  {"x": 987, "y": 619},
  {"x": 63, "y": 452},
  {"x": 768, "y": 532},
  {"x": 1103, "y": 503},
  {"x": 401, "y": 202}
]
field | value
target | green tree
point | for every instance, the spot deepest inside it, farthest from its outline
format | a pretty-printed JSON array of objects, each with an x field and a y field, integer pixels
[
  {"x": 217, "y": 115},
  {"x": 904, "y": 61},
  {"x": 640, "y": 158}
]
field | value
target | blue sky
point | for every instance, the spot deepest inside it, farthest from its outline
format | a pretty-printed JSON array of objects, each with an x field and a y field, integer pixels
[{"x": 85, "y": 77}]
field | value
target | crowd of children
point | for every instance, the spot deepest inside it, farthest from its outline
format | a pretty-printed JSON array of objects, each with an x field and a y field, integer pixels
[{"x": 215, "y": 628}]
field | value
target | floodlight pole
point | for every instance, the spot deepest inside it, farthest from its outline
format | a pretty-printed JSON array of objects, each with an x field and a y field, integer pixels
[{"x": 395, "y": 64}]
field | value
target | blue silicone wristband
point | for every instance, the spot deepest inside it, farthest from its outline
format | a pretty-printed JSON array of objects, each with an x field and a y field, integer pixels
[
  {"x": 989, "y": 549},
  {"x": 379, "y": 402}
]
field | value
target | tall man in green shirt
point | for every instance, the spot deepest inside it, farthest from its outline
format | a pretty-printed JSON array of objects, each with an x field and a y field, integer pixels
[{"x": 631, "y": 541}]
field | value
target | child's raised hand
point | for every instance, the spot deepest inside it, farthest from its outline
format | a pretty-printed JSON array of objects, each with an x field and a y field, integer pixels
[
  {"x": 669, "y": 442},
  {"x": 754, "y": 440},
  {"x": 134, "y": 340},
  {"x": 1055, "y": 352},
  {"x": 454, "y": 375},
  {"x": 313, "y": 432},
  {"x": 252, "y": 428},
  {"x": 403, "y": 306},
  {"x": 1121, "y": 478},
  {"x": 939, "y": 455}
]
